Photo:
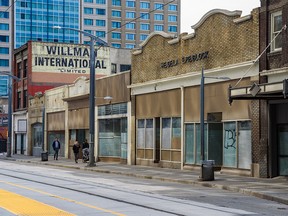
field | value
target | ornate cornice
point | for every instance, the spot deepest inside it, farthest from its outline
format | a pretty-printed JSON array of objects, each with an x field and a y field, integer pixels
[
  {"x": 215, "y": 11},
  {"x": 161, "y": 33}
]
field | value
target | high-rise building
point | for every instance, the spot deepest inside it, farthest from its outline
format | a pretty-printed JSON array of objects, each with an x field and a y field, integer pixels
[
  {"x": 34, "y": 20},
  {"x": 127, "y": 23},
  {"x": 121, "y": 23},
  {"x": 6, "y": 41}
]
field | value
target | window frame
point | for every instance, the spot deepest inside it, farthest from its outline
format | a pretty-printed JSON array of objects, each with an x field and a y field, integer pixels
[
  {"x": 273, "y": 32},
  {"x": 144, "y": 5}
]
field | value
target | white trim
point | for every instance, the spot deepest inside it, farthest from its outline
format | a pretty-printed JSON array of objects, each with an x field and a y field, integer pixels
[
  {"x": 273, "y": 32},
  {"x": 141, "y": 45},
  {"x": 215, "y": 11},
  {"x": 182, "y": 127},
  {"x": 242, "y": 19},
  {"x": 234, "y": 72},
  {"x": 274, "y": 71}
]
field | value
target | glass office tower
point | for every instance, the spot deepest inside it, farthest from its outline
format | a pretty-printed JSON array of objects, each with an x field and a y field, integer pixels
[
  {"x": 127, "y": 23},
  {"x": 34, "y": 19}
]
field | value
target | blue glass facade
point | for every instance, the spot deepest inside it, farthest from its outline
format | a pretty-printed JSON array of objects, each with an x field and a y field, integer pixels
[
  {"x": 34, "y": 20},
  {"x": 3, "y": 85}
]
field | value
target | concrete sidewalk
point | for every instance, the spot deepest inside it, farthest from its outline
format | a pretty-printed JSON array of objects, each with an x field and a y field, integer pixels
[{"x": 275, "y": 189}]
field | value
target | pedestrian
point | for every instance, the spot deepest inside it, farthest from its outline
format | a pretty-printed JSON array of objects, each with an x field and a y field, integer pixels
[
  {"x": 85, "y": 151},
  {"x": 85, "y": 144},
  {"x": 76, "y": 148},
  {"x": 56, "y": 146}
]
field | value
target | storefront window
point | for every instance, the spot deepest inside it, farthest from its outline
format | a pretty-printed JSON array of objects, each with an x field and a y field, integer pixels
[
  {"x": 109, "y": 138},
  {"x": 244, "y": 142},
  {"x": 171, "y": 139},
  {"x": 112, "y": 109},
  {"x": 166, "y": 133},
  {"x": 145, "y": 138},
  {"x": 230, "y": 145},
  {"x": 149, "y": 134},
  {"x": 189, "y": 144},
  {"x": 37, "y": 135},
  {"x": 124, "y": 138},
  {"x": 140, "y": 133}
]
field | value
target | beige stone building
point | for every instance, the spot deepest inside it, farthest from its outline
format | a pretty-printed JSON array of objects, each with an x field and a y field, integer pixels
[
  {"x": 165, "y": 84},
  {"x": 65, "y": 113}
]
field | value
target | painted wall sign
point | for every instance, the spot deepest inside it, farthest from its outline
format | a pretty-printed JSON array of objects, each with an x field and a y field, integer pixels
[
  {"x": 68, "y": 58},
  {"x": 185, "y": 59}
]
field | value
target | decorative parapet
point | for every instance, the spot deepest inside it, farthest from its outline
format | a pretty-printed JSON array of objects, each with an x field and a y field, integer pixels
[
  {"x": 215, "y": 11},
  {"x": 163, "y": 34}
]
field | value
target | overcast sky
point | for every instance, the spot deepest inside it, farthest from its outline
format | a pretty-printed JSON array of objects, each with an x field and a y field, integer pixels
[{"x": 192, "y": 11}]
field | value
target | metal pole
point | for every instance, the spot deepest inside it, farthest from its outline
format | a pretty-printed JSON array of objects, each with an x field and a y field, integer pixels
[
  {"x": 202, "y": 115},
  {"x": 9, "y": 148},
  {"x": 202, "y": 121},
  {"x": 92, "y": 104},
  {"x": 93, "y": 51},
  {"x": 43, "y": 129}
]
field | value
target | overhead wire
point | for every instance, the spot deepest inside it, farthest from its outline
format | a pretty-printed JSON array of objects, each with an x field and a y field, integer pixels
[
  {"x": 257, "y": 59},
  {"x": 133, "y": 20},
  {"x": 2, "y": 12}
]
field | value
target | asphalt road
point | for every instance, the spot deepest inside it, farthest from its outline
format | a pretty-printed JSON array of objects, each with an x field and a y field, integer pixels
[{"x": 78, "y": 192}]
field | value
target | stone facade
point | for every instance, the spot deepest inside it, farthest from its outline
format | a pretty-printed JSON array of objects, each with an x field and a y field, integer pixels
[{"x": 228, "y": 39}]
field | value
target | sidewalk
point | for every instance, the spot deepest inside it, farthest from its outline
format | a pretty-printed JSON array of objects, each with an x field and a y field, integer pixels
[{"x": 275, "y": 189}]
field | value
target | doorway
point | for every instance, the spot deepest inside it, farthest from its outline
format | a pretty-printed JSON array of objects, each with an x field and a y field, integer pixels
[
  {"x": 20, "y": 143},
  {"x": 157, "y": 140},
  {"x": 282, "y": 143}
]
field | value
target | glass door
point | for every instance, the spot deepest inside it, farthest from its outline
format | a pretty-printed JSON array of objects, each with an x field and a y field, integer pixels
[{"x": 283, "y": 149}]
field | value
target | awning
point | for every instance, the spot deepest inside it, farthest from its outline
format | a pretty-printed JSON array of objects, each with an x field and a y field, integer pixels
[{"x": 264, "y": 91}]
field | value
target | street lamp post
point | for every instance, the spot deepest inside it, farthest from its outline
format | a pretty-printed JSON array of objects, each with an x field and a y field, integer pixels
[
  {"x": 10, "y": 86},
  {"x": 202, "y": 137},
  {"x": 9, "y": 148},
  {"x": 93, "y": 39}
]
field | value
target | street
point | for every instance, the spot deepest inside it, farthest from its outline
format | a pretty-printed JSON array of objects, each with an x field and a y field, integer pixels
[{"x": 79, "y": 192}]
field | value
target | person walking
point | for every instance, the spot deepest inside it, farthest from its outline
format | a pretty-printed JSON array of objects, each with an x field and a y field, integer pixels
[
  {"x": 56, "y": 147},
  {"x": 85, "y": 144},
  {"x": 85, "y": 151},
  {"x": 76, "y": 148}
]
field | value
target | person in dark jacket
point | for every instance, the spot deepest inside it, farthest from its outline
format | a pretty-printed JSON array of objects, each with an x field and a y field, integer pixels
[
  {"x": 85, "y": 144},
  {"x": 76, "y": 148},
  {"x": 85, "y": 150},
  {"x": 56, "y": 147}
]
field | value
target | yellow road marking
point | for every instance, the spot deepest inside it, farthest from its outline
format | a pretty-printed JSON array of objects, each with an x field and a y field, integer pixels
[
  {"x": 65, "y": 199},
  {"x": 21, "y": 205}
]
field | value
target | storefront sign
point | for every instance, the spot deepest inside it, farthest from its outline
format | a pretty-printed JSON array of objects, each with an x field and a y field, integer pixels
[
  {"x": 66, "y": 58},
  {"x": 185, "y": 59}
]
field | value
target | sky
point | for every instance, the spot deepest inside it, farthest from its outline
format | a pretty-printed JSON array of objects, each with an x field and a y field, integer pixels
[{"x": 192, "y": 10}]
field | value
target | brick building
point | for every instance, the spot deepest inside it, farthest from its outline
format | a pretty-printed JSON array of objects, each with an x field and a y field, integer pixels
[
  {"x": 165, "y": 81},
  {"x": 270, "y": 121}
]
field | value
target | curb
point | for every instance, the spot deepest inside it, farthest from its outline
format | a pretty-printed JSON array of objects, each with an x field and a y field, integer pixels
[{"x": 190, "y": 182}]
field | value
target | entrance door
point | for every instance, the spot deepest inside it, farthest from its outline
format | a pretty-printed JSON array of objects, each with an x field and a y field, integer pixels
[
  {"x": 80, "y": 136},
  {"x": 282, "y": 136},
  {"x": 20, "y": 143},
  {"x": 157, "y": 140}
]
